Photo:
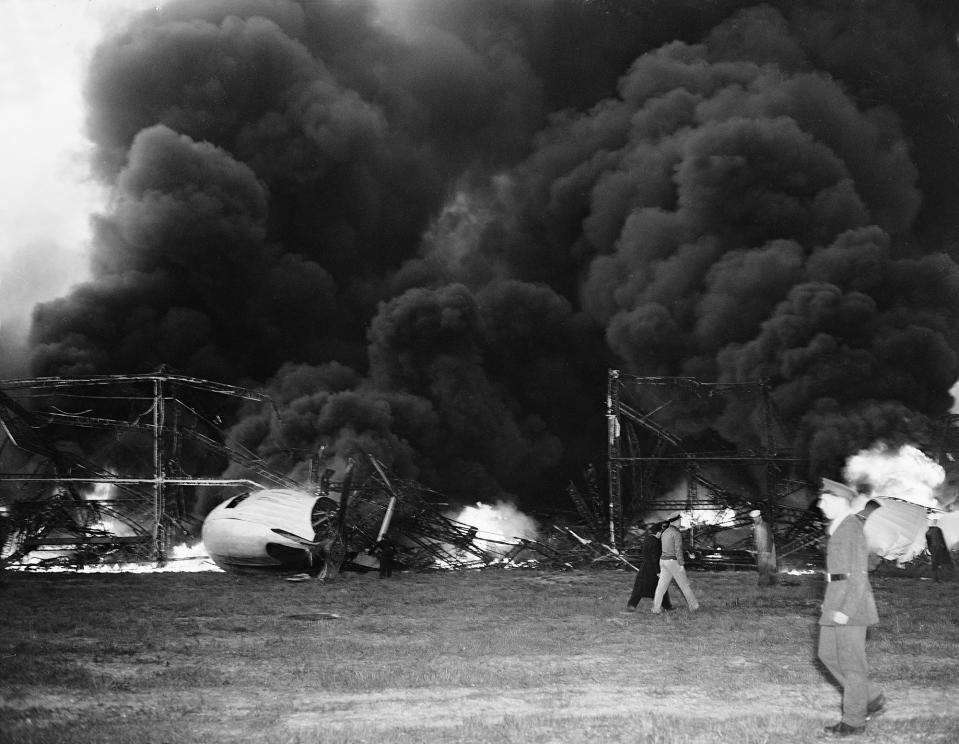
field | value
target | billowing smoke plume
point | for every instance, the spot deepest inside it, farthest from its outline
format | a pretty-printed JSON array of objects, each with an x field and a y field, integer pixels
[{"x": 428, "y": 227}]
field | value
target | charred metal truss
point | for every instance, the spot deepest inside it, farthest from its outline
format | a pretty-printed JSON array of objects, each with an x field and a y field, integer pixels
[
  {"x": 104, "y": 469},
  {"x": 102, "y": 464},
  {"x": 429, "y": 539},
  {"x": 656, "y": 441}
]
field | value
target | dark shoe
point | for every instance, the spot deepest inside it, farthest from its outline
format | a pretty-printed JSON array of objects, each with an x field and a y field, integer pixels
[
  {"x": 844, "y": 729},
  {"x": 876, "y": 707},
  {"x": 630, "y": 608}
]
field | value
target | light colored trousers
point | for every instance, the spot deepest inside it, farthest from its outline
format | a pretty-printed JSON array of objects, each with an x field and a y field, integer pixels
[
  {"x": 842, "y": 649},
  {"x": 670, "y": 570}
]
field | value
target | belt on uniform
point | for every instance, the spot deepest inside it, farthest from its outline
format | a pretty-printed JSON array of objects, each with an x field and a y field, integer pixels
[
  {"x": 836, "y": 577},
  {"x": 667, "y": 557}
]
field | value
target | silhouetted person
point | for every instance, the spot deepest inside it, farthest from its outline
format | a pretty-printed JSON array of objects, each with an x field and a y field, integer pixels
[
  {"x": 765, "y": 549},
  {"x": 938, "y": 551},
  {"x": 648, "y": 575},
  {"x": 387, "y": 552}
]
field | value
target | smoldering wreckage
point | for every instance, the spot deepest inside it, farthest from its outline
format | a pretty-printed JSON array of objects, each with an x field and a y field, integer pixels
[
  {"x": 425, "y": 231},
  {"x": 340, "y": 515},
  {"x": 66, "y": 510}
]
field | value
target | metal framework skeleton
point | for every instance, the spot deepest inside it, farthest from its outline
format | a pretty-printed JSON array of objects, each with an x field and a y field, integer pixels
[
  {"x": 105, "y": 466},
  {"x": 49, "y": 479},
  {"x": 148, "y": 439},
  {"x": 646, "y": 456}
]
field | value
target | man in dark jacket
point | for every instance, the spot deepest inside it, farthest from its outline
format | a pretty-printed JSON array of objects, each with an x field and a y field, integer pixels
[
  {"x": 938, "y": 550},
  {"x": 387, "y": 550},
  {"x": 648, "y": 576},
  {"x": 848, "y": 608}
]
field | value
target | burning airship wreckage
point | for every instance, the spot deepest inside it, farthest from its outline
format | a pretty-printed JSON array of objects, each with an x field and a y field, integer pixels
[
  {"x": 107, "y": 471},
  {"x": 753, "y": 504},
  {"x": 102, "y": 470}
]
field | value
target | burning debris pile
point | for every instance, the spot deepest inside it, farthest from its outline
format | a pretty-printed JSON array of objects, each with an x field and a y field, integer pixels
[
  {"x": 82, "y": 511},
  {"x": 119, "y": 497}
]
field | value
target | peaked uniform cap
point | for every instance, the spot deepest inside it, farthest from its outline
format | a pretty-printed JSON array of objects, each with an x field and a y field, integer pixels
[{"x": 835, "y": 488}]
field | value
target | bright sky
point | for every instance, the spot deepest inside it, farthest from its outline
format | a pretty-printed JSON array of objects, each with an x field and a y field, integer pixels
[{"x": 46, "y": 196}]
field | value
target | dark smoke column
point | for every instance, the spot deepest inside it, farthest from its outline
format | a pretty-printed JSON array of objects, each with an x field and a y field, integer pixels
[
  {"x": 729, "y": 190},
  {"x": 735, "y": 213}
]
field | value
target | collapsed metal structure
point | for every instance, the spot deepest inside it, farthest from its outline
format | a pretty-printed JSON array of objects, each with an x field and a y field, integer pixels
[
  {"x": 657, "y": 444},
  {"x": 102, "y": 464},
  {"x": 431, "y": 540},
  {"x": 107, "y": 469},
  {"x": 662, "y": 454}
]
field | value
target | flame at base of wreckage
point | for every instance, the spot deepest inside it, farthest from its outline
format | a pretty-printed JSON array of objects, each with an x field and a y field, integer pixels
[
  {"x": 183, "y": 558},
  {"x": 338, "y": 527},
  {"x": 334, "y": 526},
  {"x": 286, "y": 530},
  {"x": 901, "y": 495}
]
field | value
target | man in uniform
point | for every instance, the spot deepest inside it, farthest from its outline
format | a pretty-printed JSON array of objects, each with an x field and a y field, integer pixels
[
  {"x": 672, "y": 567},
  {"x": 848, "y": 608}
]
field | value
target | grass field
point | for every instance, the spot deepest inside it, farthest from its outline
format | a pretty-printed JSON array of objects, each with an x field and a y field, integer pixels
[{"x": 470, "y": 656}]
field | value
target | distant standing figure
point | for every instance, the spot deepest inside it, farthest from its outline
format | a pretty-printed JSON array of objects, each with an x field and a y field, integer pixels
[
  {"x": 848, "y": 608},
  {"x": 938, "y": 550},
  {"x": 765, "y": 549},
  {"x": 672, "y": 567},
  {"x": 648, "y": 576},
  {"x": 387, "y": 551}
]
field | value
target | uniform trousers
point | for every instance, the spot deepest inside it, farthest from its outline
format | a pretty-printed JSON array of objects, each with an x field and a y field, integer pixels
[
  {"x": 671, "y": 570},
  {"x": 842, "y": 649}
]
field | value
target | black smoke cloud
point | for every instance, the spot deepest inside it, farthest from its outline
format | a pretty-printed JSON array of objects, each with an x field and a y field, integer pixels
[{"x": 428, "y": 228}]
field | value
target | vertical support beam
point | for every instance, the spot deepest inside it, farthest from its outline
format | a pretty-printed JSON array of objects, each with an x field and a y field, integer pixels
[
  {"x": 159, "y": 474},
  {"x": 614, "y": 467},
  {"x": 692, "y": 497},
  {"x": 170, "y": 453}
]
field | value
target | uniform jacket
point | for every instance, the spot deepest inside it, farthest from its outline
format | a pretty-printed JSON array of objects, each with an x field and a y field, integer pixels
[
  {"x": 846, "y": 553},
  {"x": 672, "y": 542}
]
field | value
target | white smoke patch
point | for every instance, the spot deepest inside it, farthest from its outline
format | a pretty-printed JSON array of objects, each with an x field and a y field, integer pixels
[
  {"x": 689, "y": 518},
  {"x": 498, "y": 524},
  {"x": 451, "y": 241},
  {"x": 103, "y": 493},
  {"x": 707, "y": 518},
  {"x": 662, "y": 508},
  {"x": 907, "y": 474}
]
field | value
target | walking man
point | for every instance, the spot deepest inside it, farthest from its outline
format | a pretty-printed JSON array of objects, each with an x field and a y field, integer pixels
[
  {"x": 672, "y": 567},
  {"x": 648, "y": 576},
  {"x": 848, "y": 608}
]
